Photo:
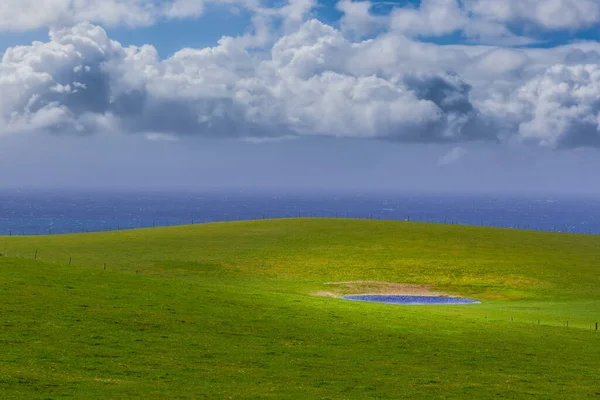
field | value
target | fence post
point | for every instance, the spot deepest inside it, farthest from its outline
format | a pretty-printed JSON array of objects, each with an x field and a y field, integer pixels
[
  {"x": 70, "y": 260},
  {"x": 35, "y": 255}
]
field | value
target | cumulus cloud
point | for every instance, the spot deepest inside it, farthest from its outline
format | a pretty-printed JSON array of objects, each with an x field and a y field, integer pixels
[
  {"x": 431, "y": 18},
  {"x": 561, "y": 107},
  {"x": 19, "y": 15},
  {"x": 545, "y": 14},
  {"x": 481, "y": 21},
  {"x": 83, "y": 82},
  {"x": 357, "y": 19},
  {"x": 23, "y": 15},
  {"x": 313, "y": 80},
  {"x": 47, "y": 84}
]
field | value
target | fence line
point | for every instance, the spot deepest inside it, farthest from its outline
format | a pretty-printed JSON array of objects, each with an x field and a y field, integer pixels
[{"x": 594, "y": 326}]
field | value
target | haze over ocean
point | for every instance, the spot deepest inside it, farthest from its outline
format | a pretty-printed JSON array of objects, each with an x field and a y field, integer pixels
[{"x": 34, "y": 212}]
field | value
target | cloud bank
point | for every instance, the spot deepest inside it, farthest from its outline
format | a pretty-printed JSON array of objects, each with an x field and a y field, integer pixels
[
  {"x": 21, "y": 15},
  {"x": 310, "y": 78}
]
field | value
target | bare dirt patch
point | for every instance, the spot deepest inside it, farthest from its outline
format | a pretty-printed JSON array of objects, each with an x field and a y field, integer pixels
[
  {"x": 337, "y": 289},
  {"x": 325, "y": 294}
]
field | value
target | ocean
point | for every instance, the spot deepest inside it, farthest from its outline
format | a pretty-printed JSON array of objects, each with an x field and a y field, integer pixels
[{"x": 33, "y": 212}]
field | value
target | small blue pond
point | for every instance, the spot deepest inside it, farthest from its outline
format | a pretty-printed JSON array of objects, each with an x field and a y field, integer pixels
[{"x": 395, "y": 299}]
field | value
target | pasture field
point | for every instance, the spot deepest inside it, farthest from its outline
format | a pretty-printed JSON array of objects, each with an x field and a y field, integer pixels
[{"x": 230, "y": 311}]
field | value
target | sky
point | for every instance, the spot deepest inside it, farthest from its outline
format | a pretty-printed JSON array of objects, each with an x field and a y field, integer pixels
[{"x": 431, "y": 95}]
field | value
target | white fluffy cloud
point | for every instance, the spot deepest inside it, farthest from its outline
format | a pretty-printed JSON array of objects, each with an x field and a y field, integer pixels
[
  {"x": 482, "y": 21},
  {"x": 357, "y": 19},
  {"x": 546, "y": 14},
  {"x": 22, "y": 15},
  {"x": 561, "y": 107},
  {"x": 479, "y": 20},
  {"x": 81, "y": 81},
  {"x": 311, "y": 81},
  {"x": 431, "y": 18}
]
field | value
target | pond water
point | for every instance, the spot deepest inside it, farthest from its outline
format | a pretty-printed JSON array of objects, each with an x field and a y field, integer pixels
[{"x": 397, "y": 299}]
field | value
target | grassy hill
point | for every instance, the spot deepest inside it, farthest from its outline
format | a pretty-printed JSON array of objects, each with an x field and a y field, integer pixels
[{"x": 228, "y": 310}]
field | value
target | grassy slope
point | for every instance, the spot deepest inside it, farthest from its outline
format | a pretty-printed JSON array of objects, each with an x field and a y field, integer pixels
[{"x": 224, "y": 311}]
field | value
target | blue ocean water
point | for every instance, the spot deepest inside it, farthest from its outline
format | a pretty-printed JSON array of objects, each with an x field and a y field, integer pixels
[
  {"x": 47, "y": 212},
  {"x": 420, "y": 300}
]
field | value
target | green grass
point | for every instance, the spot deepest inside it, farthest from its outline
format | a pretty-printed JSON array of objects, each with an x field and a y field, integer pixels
[{"x": 225, "y": 310}]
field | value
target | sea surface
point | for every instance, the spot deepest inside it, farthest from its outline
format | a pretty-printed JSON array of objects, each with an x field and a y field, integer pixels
[{"x": 54, "y": 212}]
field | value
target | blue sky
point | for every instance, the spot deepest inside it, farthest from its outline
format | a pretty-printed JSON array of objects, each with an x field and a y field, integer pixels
[
  {"x": 169, "y": 36},
  {"x": 448, "y": 95}
]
